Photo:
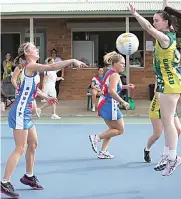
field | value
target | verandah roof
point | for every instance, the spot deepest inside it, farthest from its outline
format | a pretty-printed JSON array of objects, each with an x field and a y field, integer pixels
[{"x": 80, "y": 7}]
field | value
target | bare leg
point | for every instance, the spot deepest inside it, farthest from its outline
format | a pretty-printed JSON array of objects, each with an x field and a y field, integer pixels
[
  {"x": 157, "y": 130},
  {"x": 31, "y": 150},
  {"x": 168, "y": 103},
  {"x": 107, "y": 135},
  {"x": 20, "y": 137}
]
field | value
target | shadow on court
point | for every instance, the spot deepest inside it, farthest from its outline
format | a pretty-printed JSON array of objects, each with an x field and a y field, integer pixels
[{"x": 69, "y": 169}]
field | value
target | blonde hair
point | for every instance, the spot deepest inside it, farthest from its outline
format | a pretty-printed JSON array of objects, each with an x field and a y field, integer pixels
[
  {"x": 112, "y": 57},
  {"x": 21, "y": 52}
]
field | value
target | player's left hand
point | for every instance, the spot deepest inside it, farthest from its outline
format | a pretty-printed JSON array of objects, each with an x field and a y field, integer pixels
[
  {"x": 132, "y": 9},
  {"x": 52, "y": 100}
]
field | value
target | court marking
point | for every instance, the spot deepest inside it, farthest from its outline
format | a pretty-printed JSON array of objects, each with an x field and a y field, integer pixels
[
  {"x": 70, "y": 169},
  {"x": 83, "y": 120}
]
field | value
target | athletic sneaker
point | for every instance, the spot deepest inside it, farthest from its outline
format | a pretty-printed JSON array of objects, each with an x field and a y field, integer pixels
[
  {"x": 171, "y": 166},
  {"x": 32, "y": 182},
  {"x": 147, "y": 157},
  {"x": 94, "y": 142},
  {"x": 162, "y": 163},
  {"x": 105, "y": 155},
  {"x": 93, "y": 109},
  {"x": 55, "y": 117},
  {"x": 8, "y": 189}
]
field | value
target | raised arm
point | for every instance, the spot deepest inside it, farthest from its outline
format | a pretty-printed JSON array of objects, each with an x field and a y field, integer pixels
[
  {"x": 146, "y": 25},
  {"x": 165, "y": 3}
]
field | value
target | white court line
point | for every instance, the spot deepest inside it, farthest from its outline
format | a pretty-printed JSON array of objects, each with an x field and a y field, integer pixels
[{"x": 81, "y": 123}]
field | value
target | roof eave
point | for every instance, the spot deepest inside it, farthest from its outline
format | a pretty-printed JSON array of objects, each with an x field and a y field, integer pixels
[{"x": 76, "y": 13}]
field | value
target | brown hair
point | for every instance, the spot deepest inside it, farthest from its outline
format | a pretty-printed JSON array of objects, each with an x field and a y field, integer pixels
[
  {"x": 21, "y": 52},
  {"x": 173, "y": 16},
  {"x": 112, "y": 57}
]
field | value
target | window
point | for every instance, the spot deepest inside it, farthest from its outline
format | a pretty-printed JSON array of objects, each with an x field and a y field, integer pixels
[
  {"x": 137, "y": 59},
  {"x": 104, "y": 41},
  {"x": 10, "y": 43}
]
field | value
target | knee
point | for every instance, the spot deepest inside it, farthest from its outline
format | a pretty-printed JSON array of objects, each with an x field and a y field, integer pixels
[
  {"x": 20, "y": 149},
  {"x": 33, "y": 146},
  {"x": 120, "y": 131}
]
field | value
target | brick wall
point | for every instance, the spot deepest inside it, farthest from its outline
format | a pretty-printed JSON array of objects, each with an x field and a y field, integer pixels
[
  {"x": 58, "y": 36},
  {"x": 76, "y": 82}
]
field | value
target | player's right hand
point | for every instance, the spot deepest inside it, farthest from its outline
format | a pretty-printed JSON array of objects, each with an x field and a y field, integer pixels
[{"x": 79, "y": 64}]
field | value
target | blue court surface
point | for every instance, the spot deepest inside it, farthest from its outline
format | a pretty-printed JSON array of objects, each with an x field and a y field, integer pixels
[{"x": 69, "y": 169}]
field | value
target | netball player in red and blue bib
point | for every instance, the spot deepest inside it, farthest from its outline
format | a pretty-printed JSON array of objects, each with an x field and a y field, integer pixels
[{"x": 108, "y": 104}]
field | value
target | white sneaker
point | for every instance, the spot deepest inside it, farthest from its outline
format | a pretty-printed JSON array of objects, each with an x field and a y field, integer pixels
[
  {"x": 54, "y": 116},
  {"x": 105, "y": 155},
  {"x": 93, "y": 109},
  {"x": 94, "y": 142},
  {"x": 38, "y": 112},
  {"x": 171, "y": 166},
  {"x": 162, "y": 163}
]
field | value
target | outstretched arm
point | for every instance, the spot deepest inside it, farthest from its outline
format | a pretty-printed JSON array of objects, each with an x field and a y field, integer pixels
[
  {"x": 128, "y": 86},
  {"x": 146, "y": 25},
  {"x": 55, "y": 66}
]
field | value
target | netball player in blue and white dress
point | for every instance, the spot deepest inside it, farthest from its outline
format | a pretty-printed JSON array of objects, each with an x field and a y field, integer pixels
[
  {"x": 108, "y": 104},
  {"x": 20, "y": 117}
]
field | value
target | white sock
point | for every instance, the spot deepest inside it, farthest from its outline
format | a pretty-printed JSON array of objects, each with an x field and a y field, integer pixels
[
  {"x": 93, "y": 106},
  {"x": 166, "y": 151},
  {"x": 147, "y": 149},
  {"x": 172, "y": 155},
  {"x": 4, "y": 181},
  {"x": 29, "y": 175}
]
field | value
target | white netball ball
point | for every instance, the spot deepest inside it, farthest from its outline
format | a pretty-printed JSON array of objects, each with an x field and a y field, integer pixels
[{"x": 127, "y": 43}]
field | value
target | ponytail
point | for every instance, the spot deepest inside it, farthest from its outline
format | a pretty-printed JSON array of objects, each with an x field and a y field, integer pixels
[
  {"x": 21, "y": 53},
  {"x": 175, "y": 16},
  {"x": 173, "y": 12},
  {"x": 17, "y": 59}
]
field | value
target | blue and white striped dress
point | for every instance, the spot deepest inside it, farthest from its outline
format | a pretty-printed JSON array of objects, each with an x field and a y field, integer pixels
[{"x": 20, "y": 114}]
